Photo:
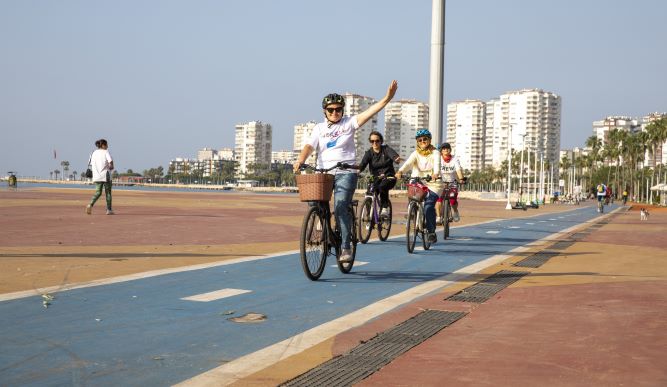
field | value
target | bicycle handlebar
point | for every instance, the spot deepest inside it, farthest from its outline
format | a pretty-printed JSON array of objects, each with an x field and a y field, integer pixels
[{"x": 304, "y": 167}]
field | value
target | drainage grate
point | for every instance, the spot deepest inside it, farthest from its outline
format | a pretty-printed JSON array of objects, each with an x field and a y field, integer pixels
[
  {"x": 561, "y": 245},
  {"x": 537, "y": 259},
  {"x": 486, "y": 288},
  {"x": 364, "y": 359}
]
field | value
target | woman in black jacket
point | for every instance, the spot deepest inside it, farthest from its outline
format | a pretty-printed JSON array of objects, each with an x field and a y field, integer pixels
[{"x": 380, "y": 160}]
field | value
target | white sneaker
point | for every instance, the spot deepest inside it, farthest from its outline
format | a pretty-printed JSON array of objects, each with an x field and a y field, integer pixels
[
  {"x": 456, "y": 216},
  {"x": 110, "y": 212},
  {"x": 438, "y": 220},
  {"x": 89, "y": 209},
  {"x": 345, "y": 255},
  {"x": 384, "y": 212}
]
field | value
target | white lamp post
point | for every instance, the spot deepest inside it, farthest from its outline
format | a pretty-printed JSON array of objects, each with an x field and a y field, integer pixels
[
  {"x": 523, "y": 150},
  {"x": 509, "y": 167}
]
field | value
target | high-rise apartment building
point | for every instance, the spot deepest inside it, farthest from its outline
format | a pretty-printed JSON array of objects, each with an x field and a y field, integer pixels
[
  {"x": 602, "y": 127},
  {"x": 302, "y": 133},
  {"x": 533, "y": 118},
  {"x": 466, "y": 125},
  {"x": 402, "y": 119},
  {"x": 355, "y": 104},
  {"x": 206, "y": 154},
  {"x": 252, "y": 146}
]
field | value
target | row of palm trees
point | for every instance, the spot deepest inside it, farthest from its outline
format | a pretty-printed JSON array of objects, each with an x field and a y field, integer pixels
[{"x": 625, "y": 160}]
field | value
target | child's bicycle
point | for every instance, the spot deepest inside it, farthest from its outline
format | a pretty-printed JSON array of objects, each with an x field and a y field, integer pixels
[
  {"x": 370, "y": 215},
  {"x": 318, "y": 238},
  {"x": 416, "y": 221},
  {"x": 448, "y": 192}
]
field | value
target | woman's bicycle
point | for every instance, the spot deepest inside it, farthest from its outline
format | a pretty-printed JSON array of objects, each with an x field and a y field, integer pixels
[
  {"x": 318, "y": 238},
  {"x": 416, "y": 222},
  {"x": 370, "y": 216}
]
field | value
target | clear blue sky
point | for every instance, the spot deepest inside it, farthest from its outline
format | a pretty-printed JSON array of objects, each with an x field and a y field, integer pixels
[{"x": 161, "y": 79}]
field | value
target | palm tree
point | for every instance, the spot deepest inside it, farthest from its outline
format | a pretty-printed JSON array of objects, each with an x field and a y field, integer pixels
[
  {"x": 565, "y": 165},
  {"x": 65, "y": 165},
  {"x": 50, "y": 175},
  {"x": 74, "y": 174},
  {"x": 56, "y": 172}
]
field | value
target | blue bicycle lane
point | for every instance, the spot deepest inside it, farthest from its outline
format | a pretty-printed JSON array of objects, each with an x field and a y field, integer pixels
[{"x": 144, "y": 331}]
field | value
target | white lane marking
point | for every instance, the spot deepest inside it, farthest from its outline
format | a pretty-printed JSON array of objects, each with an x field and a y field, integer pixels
[
  {"x": 493, "y": 232},
  {"x": 215, "y": 295},
  {"x": 136, "y": 276},
  {"x": 461, "y": 239},
  {"x": 514, "y": 227},
  {"x": 241, "y": 367},
  {"x": 530, "y": 224},
  {"x": 552, "y": 219},
  {"x": 356, "y": 263}
]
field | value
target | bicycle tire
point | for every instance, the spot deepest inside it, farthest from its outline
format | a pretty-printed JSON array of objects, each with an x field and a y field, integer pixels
[
  {"x": 411, "y": 227},
  {"x": 446, "y": 218},
  {"x": 365, "y": 220},
  {"x": 424, "y": 231},
  {"x": 384, "y": 227},
  {"x": 312, "y": 244},
  {"x": 345, "y": 267}
]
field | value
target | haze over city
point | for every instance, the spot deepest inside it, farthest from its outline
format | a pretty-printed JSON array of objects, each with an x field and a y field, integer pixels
[{"x": 161, "y": 79}]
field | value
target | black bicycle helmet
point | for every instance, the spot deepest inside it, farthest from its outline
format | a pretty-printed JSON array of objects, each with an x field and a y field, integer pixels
[
  {"x": 331, "y": 99},
  {"x": 445, "y": 145}
]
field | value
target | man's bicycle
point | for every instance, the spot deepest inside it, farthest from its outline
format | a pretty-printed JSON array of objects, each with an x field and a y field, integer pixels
[
  {"x": 416, "y": 221},
  {"x": 318, "y": 238},
  {"x": 370, "y": 216}
]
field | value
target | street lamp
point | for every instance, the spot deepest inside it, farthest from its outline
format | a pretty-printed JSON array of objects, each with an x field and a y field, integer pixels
[
  {"x": 509, "y": 167},
  {"x": 523, "y": 149}
]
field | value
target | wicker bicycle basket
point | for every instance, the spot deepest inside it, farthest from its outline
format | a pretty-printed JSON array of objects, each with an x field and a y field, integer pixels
[
  {"x": 416, "y": 192},
  {"x": 316, "y": 186}
]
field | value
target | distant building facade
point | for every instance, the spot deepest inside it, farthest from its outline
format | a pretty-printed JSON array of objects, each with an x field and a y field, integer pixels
[
  {"x": 466, "y": 131},
  {"x": 402, "y": 119},
  {"x": 252, "y": 146}
]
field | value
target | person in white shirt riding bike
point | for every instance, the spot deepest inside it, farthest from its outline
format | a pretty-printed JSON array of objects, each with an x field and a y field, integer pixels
[
  {"x": 334, "y": 141},
  {"x": 425, "y": 162},
  {"x": 451, "y": 173}
]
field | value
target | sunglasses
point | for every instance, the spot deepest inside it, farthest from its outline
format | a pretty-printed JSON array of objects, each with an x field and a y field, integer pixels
[
  {"x": 375, "y": 141},
  {"x": 337, "y": 110},
  {"x": 423, "y": 139}
]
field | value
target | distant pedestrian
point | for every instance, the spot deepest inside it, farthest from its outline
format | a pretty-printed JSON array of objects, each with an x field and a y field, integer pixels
[{"x": 101, "y": 164}]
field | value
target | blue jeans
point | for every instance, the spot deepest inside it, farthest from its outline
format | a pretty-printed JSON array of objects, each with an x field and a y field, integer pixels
[
  {"x": 429, "y": 210},
  {"x": 344, "y": 186}
]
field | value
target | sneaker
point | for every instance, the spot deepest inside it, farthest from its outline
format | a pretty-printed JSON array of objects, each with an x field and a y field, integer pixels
[
  {"x": 384, "y": 212},
  {"x": 345, "y": 255},
  {"x": 456, "y": 216},
  {"x": 89, "y": 209},
  {"x": 438, "y": 220},
  {"x": 110, "y": 212},
  {"x": 432, "y": 238}
]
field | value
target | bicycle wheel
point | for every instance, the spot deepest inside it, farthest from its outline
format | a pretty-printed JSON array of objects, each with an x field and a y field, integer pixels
[
  {"x": 345, "y": 267},
  {"x": 411, "y": 227},
  {"x": 423, "y": 230},
  {"x": 313, "y": 244},
  {"x": 385, "y": 223},
  {"x": 365, "y": 220},
  {"x": 447, "y": 217}
]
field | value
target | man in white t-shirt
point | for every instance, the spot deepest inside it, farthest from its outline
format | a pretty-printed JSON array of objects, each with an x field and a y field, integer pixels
[
  {"x": 334, "y": 141},
  {"x": 101, "y": 163}
]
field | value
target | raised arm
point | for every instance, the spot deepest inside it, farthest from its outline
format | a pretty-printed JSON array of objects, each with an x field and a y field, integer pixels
[{"x": 366, "y": 115}]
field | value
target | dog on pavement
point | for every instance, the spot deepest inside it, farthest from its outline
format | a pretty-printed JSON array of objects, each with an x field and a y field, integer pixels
[{"x": 643, "y": 214}]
